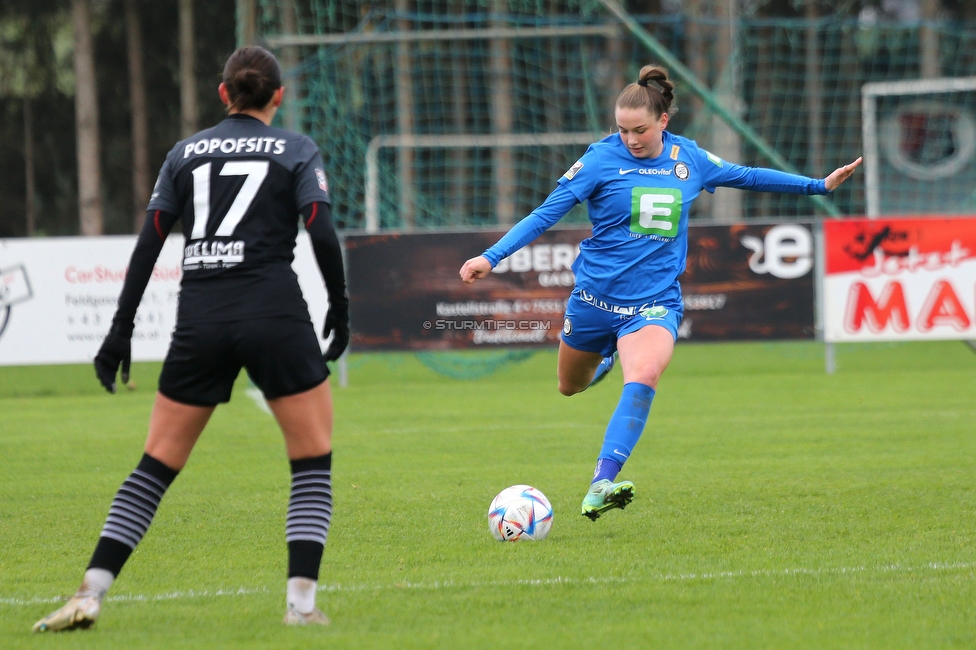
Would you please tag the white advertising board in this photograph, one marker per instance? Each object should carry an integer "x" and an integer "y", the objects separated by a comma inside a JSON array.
[
  {"x": 900, "y": 279},
  {"x": 58, "y": 296}
]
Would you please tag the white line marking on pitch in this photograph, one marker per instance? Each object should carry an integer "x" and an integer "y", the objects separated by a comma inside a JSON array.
[{"x": 668, "y": 577}]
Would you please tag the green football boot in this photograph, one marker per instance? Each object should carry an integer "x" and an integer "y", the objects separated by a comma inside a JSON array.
[{"x": 604, "y": 495}]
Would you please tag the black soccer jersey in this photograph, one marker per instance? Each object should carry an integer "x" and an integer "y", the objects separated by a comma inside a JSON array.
[{"x": 238, "y": 188}]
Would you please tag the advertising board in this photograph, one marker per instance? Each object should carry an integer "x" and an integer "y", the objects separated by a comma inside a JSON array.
[
  {"x": 58, "y": 295},
  {"x": 742, "y": 282},
  {"x": 900, "y": 279}
]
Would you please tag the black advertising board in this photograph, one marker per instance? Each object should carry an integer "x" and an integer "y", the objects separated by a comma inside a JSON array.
[
  {"x": 405, "y": 292},
  {"x": 749, "y": 282},
  {"x": 742, "y": 282}
]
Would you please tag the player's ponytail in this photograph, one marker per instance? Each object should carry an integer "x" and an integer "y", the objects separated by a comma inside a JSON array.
[
  {"x": 652, "y": 90},
  {"x": 252, "y": 76}
]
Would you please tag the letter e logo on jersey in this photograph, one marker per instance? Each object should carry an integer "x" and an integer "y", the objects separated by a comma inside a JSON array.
[
  {"x": 323, "y": 183},
  {"x": 655, "y": 211}
]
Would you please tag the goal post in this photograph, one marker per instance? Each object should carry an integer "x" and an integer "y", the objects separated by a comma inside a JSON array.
[{"x": 919, "y": 146}]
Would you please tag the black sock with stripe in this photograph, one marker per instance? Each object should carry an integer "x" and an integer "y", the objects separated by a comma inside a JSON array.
[
  {"x": 131, "y": 513},
  {"x": 309, "y": 515}
]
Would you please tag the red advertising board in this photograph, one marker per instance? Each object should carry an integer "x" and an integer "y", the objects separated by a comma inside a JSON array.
[{"x": 900, "y": 279}]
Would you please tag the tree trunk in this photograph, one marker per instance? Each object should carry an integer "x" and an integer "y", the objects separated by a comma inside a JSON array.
[
  {"x": 30, "y": 186},
  {"x": 290, "y": 56},
  {"x": 140, "y": 118},
  {"x": 86, "y": 123},
  {"x": 503, "y": 158},
  {"x": 814, "y": 93},
  {"x": 247, "y": 22},
  {"x": 461, "y": 186},
  {"x": 696, "y": 53},
  {"x": 728, "y": 145},
  {"x": 929, "y": 37},
  {"x": 405, "y": 124},
  {"x": 188, "y": 81}
]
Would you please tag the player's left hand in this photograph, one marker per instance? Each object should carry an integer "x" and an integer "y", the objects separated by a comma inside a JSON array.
[
  {"x": 116, "y": 350},
  {"x": 841, "y": 174},
  {"x": 336, "y": 324}
]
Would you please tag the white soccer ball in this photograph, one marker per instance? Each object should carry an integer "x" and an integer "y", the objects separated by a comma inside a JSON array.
[{"x": 519, "y": 512}]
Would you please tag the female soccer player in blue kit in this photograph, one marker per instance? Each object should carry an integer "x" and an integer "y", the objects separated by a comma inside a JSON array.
[{"x": 627, "y": 303}]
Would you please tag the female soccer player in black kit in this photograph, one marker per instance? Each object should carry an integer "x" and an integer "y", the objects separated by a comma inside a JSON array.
[{"x": 238, "y": 189}]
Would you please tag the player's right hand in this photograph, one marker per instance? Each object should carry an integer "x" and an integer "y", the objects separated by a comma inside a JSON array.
[
  {"x": 336, "y": 325},
  {"x": 475, "y": 269},
  {"x": 116, "y": 350}
]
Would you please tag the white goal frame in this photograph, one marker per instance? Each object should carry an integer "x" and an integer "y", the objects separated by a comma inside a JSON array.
[{"x": 869, "y": 123}]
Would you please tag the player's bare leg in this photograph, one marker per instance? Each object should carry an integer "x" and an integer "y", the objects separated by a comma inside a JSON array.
[
  {"x": 306, "y": 422},
  {"x": 174, "y": 428},
  {"x": 575, "y": 368},
  {"x": 645, "y": 354}
]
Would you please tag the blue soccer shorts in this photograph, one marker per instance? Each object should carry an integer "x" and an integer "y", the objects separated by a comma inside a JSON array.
[{"x": 593, "y": 324}]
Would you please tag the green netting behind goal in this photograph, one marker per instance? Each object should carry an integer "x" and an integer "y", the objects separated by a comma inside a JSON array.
[{"x": 509, "y": 72}]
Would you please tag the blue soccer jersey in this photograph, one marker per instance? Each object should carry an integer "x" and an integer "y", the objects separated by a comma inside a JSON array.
[{"x": 639, "y": 211}]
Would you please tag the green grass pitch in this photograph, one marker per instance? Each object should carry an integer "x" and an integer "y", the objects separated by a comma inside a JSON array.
[{"x": 776, "y": 507}]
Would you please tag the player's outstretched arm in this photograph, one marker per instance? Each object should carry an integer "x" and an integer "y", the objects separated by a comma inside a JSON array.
[
  {"x": 841, "y": 174},
  {"x": 475, "y": 269},
  {"x": 556, "y": 205}
]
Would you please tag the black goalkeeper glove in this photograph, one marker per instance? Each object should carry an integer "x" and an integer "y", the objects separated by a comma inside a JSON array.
[
  {"x": 116, "y": 350},
  {"x": 337, "y": 324}
]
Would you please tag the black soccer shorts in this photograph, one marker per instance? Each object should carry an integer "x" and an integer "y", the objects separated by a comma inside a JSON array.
[{"x": 282, "y": 357}]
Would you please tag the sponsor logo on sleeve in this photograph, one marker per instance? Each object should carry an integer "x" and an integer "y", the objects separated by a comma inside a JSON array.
[
  {"x": 712, "y": 158},
  {"x": 323, "y": 182},
  {"x": 578, "y": 165}
]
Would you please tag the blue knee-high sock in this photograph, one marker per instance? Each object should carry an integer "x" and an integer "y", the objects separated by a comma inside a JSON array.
[{"x": 624, "y": 430}]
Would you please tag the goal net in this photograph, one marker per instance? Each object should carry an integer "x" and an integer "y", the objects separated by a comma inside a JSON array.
[{"x": 445, "y": 103}]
